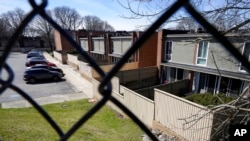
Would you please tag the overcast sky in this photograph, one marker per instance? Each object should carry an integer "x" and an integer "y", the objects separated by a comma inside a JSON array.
[{"x": 107, "y": 10}]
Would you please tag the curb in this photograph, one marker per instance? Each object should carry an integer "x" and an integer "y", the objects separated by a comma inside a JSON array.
[{"x": 57, "y": 98}]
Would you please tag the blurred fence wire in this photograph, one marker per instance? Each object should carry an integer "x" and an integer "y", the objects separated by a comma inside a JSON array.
[{"x": 105, "y": 87}]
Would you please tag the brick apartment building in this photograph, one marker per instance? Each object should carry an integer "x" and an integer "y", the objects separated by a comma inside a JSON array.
[
  {"x": 109, "y": 47},
  {"x": 204, "y": 61},
  {"x": 177, "y": 54}
]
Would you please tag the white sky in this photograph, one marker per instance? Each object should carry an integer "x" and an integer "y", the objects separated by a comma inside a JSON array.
[{"x": 107, "y": 10}]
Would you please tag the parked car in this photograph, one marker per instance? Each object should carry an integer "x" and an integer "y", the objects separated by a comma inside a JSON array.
[
  {"x": 34, "y": 58},
  {"x": 34, "y": 54},
  {"x": 34, "y": 75},
  {"x": 34, "y": 50},
  {"x": 42, "y": 66},
  {"x": 24, "y": 50},
  {"x": 44, "y": 62}
]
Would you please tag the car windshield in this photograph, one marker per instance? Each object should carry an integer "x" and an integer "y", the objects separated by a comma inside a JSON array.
[
  {"x": 36, "y": 57},
  {"x": 34, "y": 54}
]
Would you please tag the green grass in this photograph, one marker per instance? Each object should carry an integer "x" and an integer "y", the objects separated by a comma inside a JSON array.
[{"x": 26, "y": 124}]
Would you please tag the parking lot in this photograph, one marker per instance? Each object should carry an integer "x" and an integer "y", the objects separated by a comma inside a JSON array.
[{"x": 17, "y": 63}]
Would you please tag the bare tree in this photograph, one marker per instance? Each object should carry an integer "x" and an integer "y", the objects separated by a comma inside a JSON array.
[
  {"x": 13, "y": 19},
  {"x": 3, "y": 28},
  {"x": 30, "y": 32},
  {"x": 91, "y": 22},
  {"x": 44, "y": 29},
  {"x": 228, "y": 12},
  {"x": 67, "y": 18},
  {"x": 187, "y": 24},
  {"x": 95, "y": 23},
  {"x": 107, "y": 27}
]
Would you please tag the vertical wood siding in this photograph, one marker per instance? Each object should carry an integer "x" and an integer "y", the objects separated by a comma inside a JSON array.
[{"x": 188, "y": 119}]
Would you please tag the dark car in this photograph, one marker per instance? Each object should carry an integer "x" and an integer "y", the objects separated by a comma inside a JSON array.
[
  {"x": 34, "y": 75},
  {"x": 34, "y": 50},
  {"x": 35, "y": 62},
  {"x": 34, "y": 54},
  {"x": 25, "y": 51},
  {"x": 37, "y": 58},
  {"x": 51, "y": 68}
]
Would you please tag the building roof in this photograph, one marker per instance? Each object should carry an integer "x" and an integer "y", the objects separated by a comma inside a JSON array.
[{"x": 214, "y": 71}]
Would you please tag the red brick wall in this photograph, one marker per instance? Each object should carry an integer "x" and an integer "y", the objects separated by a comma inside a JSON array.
[
  {"x": 61, "y": 43},
  {"x": 159, "y": 47},
  {"x": 148, "y": 52},
  {"x": 57, "y": 39}
]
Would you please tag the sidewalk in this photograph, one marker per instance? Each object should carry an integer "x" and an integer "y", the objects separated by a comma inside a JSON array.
[
  {"x": 73, "y": 76},
  {"x": 84, "y": 88}
]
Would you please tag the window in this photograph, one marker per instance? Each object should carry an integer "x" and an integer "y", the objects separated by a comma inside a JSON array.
[
  {"x": 236, "y": 85},
  {"x": 246, "y": 53},
  {"x": 230, "y": 86},
  {"x": 168, "y": 51},
  {"x": 121, "y": 45},
  {"x": 207, "y": 83},
  {"x": 84, "y": 44},
  {"x": 98, "y": 45},
  {"x": 115, "y": 59},
  {"x": 180, "y": 73},
  {"x": 116, "y": 46},
  {"x": 125, "y": 45},
  {"x": 174, "y": 74},
  {"x": 202, "y": 53}
]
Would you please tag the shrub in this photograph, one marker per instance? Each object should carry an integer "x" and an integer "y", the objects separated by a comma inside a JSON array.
[
  {"x": 73, "y": 52},
  {"x": 50, "y": 53},
  {"x": 209, "y": 99}
]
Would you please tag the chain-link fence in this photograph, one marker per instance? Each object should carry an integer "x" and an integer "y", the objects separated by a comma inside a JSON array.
[{"x": 105, "y": 86}]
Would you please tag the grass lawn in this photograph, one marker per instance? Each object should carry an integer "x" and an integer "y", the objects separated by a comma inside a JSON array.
[{"x": 26, "y": 124}]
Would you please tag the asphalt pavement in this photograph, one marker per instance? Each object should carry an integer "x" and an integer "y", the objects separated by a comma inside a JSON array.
[
  {"x": 82, "y": 89},
  {"x": 73, "y": 76}
]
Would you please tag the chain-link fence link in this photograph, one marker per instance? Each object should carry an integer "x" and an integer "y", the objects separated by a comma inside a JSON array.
[{"x": 105, "y": 87}]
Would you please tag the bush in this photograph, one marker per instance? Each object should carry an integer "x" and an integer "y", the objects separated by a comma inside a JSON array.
[
  {"x": 209, "y": 99},
  {"x": 73, "y": 52},
  {"x": 50, "y": 53}
]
